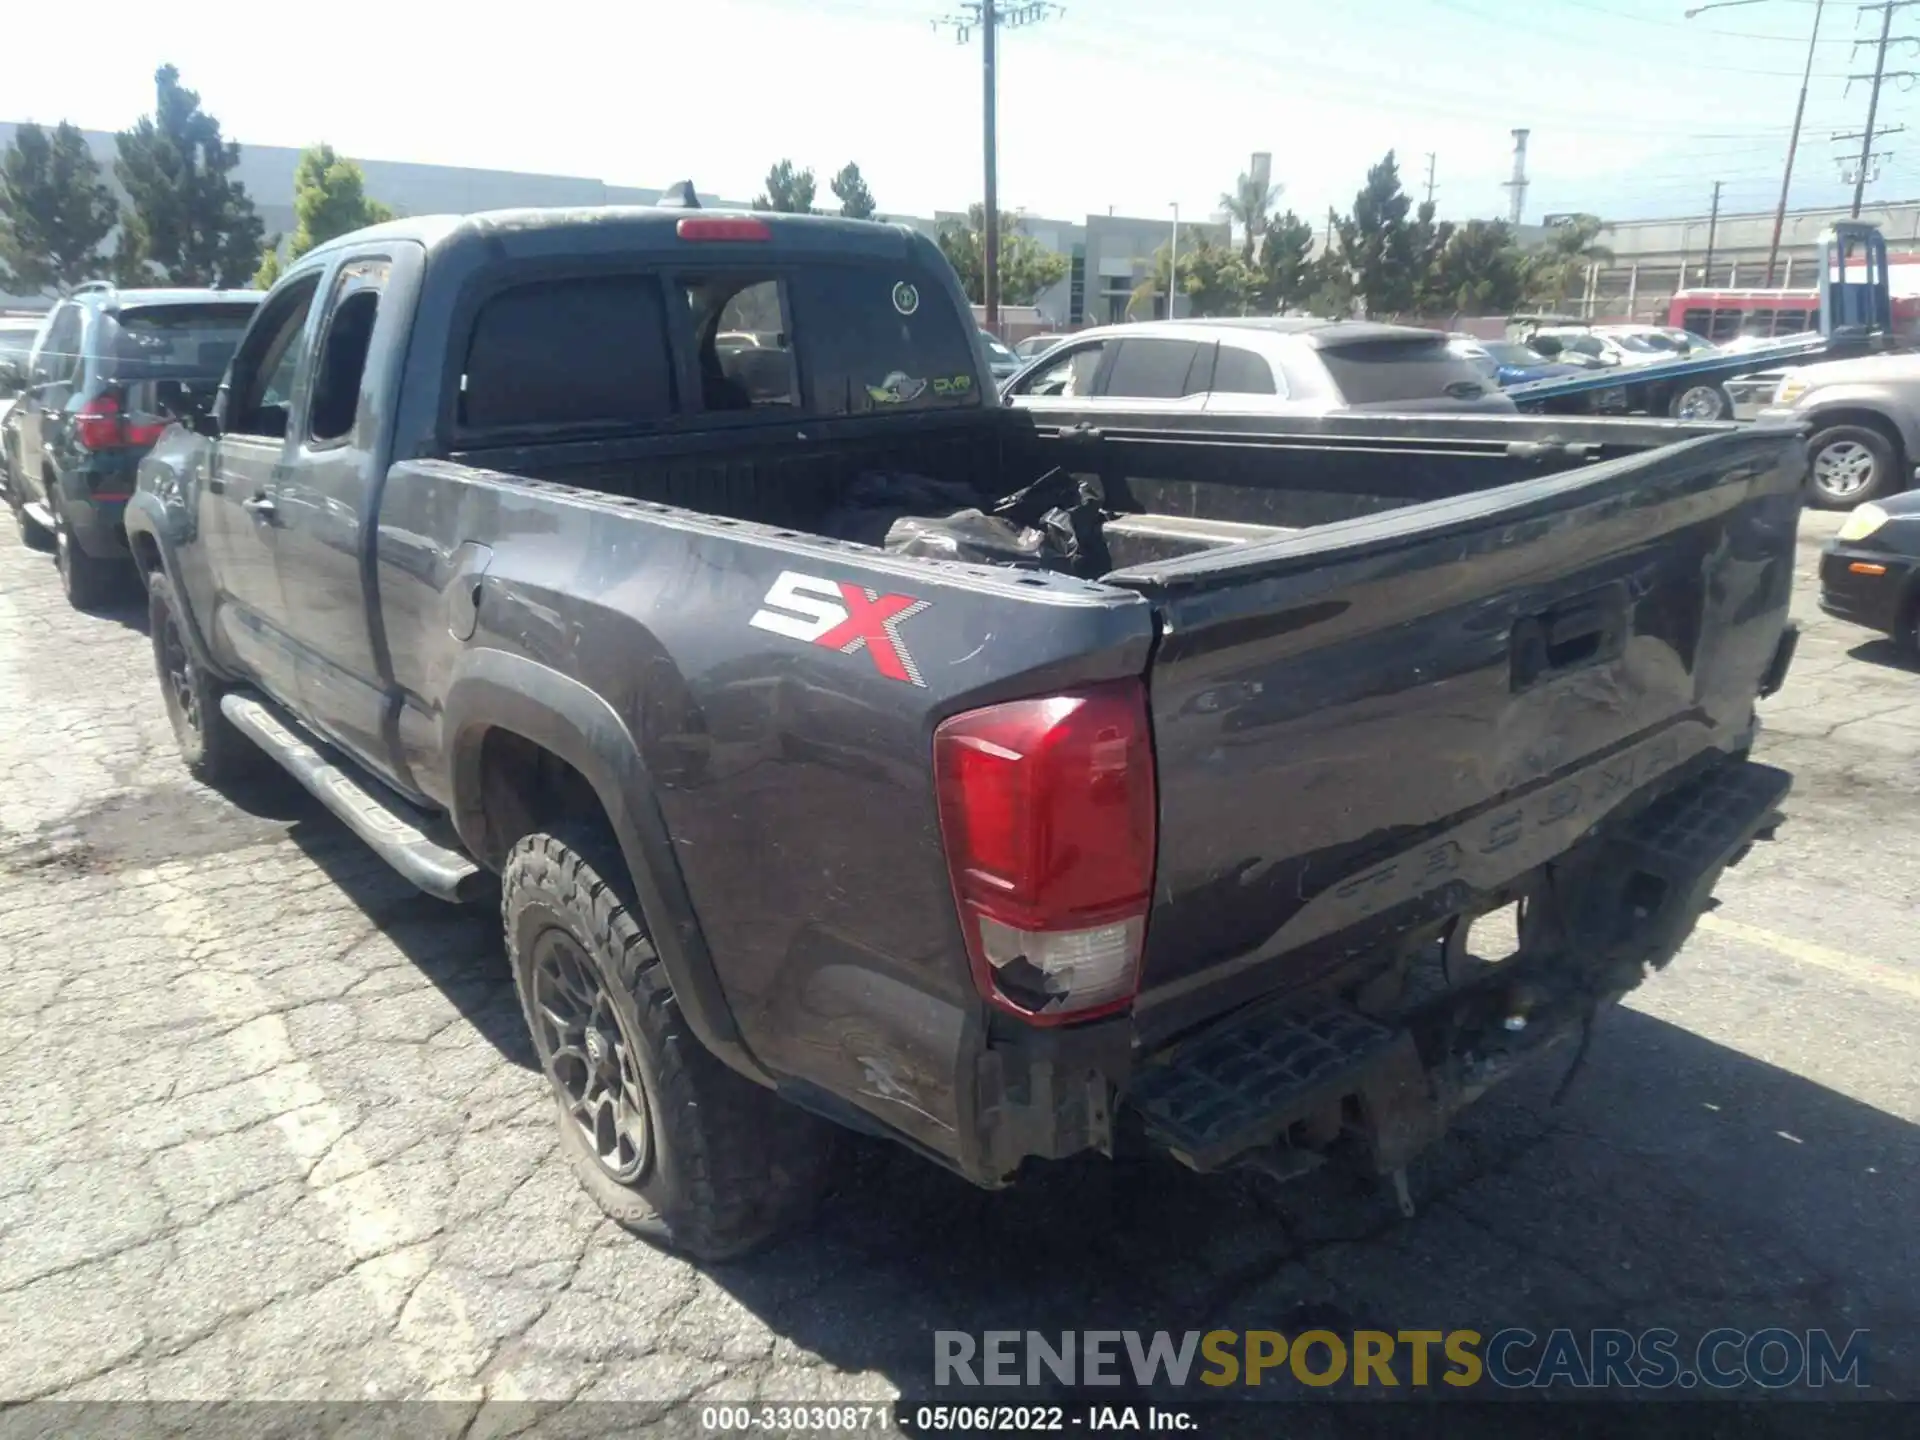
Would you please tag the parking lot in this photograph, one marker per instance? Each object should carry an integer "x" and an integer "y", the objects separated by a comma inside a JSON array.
[{"x": 268, "y": 1126}]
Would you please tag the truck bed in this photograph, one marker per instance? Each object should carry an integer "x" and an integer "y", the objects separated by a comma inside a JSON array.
[{"x": 1377, "y": 643}]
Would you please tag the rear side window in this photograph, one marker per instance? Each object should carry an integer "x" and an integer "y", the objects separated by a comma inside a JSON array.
[
  {"x": 872, "y": 338},
  {"x": 1241, "y": 372},
  {"x": 1377, "y": 372},
  {"x": 583, "y": 350},
  {"x": 1158, "y": 369},
  {"x": 173, "y": 341}
]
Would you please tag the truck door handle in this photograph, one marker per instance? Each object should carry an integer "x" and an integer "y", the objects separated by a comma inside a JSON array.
[{"x": 260, "y": 506}]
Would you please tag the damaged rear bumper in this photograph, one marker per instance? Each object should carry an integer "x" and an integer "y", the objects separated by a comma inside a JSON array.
[{"x": 1284, "y": 1083}]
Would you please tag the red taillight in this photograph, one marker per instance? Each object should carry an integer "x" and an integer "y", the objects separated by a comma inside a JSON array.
[
  {"x": 722, "y": 228},
  {"x": 101, "y": 424},
  {"x": 97, "y": 425},
  {"x": 1047, "y": 809}
]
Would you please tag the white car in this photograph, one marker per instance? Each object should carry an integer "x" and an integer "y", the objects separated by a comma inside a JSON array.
[
  {"x": 1256, "y": 367},
  {"x": 1624, "y": 345}
]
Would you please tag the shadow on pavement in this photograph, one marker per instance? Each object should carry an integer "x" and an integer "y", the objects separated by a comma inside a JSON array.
[
  {"x": 1885, "y": 652},
  {"x": 1682, "y": 1185},
  {"x": 458, "y": 948}
]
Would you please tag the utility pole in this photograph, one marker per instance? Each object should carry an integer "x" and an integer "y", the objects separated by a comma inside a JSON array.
[
  {"x": 1432, "y": 159},
  {"x": 1799, "y": 113},
  {"x": 1713, "y": 225},
  {"x": 1518, "y": 184},
  {"x": 1866, "y": 136},
  {"x": 987, "y": 16}
]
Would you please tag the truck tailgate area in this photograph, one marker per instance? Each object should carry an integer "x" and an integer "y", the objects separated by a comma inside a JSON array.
[{"x": 1385, "y": 720}]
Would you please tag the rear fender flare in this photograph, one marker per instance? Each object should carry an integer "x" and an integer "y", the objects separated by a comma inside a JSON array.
[{"x": 495, "y": 690}]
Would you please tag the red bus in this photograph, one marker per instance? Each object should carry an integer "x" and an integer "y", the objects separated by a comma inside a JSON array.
[{"x": 1722, "y": 315}]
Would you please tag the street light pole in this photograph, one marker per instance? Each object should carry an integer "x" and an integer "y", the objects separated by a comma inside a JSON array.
[
  {"x": 1173, "y": 263},
  {"x": 1793, "y": 138}
]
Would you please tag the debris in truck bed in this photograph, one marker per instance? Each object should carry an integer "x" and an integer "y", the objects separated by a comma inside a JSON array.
[{"x": 1052, "y": 524}]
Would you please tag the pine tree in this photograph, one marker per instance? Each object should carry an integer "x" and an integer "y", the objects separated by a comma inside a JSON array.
[
  {"x": 850, "y": 189},
  {"x": 329, "y": 200},
  {"x": 1377, "y": 243},
  {"x": 789, "y": 191},
  {"x": 55, "y": 209},
  {"x": 189, "y": 222}
]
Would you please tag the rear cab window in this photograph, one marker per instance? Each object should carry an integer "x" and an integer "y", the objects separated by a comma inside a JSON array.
[
  {"x": 1381, "y": 372},
  {"x": 729, "y": 344},
  {"x": 872, "y": 338}
]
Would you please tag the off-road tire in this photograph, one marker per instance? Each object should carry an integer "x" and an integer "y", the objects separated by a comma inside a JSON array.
[
  {"x": 729, "y": 1165},
  {"x": 1885, "y": 466},
  {"x": 212, "y": 748}
]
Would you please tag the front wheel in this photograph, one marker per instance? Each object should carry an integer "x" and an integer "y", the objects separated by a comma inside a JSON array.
[
  {"x": 668, "y": 1141},
  {"x": 1704, "y": 401},
  {"x": 1849, "y": 465},
  {"x": 213, "y": 749}
]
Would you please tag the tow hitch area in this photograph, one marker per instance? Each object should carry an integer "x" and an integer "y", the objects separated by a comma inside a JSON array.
[{"x": 1374, "y": 1077}]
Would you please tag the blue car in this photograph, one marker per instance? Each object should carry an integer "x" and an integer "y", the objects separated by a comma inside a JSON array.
[{"x": 1507, "y": 362}]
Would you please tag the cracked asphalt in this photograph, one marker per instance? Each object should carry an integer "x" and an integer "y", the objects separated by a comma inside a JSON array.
[{"x": 269, "y": 1128}]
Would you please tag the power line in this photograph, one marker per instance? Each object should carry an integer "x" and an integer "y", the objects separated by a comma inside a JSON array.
[{"x": 1432, "y": 159}]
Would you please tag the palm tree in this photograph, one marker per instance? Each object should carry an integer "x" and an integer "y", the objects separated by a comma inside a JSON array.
[
  {"x": 1249, "y": 204},
  {"x": 1560, "y": 263}
]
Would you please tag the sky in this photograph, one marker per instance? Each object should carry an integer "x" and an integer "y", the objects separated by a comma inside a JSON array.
[{"x": 1132, "y": 106}]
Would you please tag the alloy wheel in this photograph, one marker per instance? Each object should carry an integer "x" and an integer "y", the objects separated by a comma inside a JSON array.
[
  {"x": 589, "y": 1057},
  {"x": 1843, "y": 469}
]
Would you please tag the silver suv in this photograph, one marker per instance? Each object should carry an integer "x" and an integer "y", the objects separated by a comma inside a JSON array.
[{"x": 1257, "y": 366}]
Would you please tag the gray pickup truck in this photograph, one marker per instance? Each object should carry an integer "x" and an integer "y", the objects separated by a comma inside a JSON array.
[{"x": 1171, "y": 828}]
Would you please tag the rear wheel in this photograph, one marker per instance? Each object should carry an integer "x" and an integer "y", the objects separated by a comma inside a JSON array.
[
  {"x": 668, "y": 1141},
  {"x": 1703, "y": 401},
  {"x": 1849, "y": 465},
  {"x": 88, "y": 581}
]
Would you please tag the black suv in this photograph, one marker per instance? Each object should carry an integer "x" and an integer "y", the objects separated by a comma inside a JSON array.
[{"x": 110, "y": 371}]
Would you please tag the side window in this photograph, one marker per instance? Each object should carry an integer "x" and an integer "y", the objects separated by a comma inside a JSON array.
[
  {"x": 1157, "y": 369},
  {"x": 260, "y": 384},
  {"x": 1241, "y": 372},
  {"x": 343, "y": 349},
  {"x": 1069, "y": 376},
  {"x": 580, "y": 350},
  {"x": 745, "y": 354},
  {"x": 59, "y": 350}
]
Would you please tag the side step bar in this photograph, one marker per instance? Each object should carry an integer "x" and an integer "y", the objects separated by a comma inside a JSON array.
[{"x": 396, "y": 830}]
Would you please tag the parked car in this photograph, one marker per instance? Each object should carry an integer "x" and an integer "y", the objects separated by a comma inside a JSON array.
[
  {"x": 1000, "y": 861},
  {"x": 1000, "y": 360},
  {"x": 16, "y": 349},
  {"x": 1864, "y": 415},
  {"x": 1507, "y": 362},
  {"x": 1036, "y": 345},
  {"x": 1622, "y": 346},
  {"x": 1277, "y": 366},
  {"x": 109, "y": 372},
  {"x": 1870, "y": 570}
]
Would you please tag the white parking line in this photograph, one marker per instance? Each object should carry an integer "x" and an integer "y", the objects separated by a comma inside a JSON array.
[
  {"x": 429, "y": 1316},
  {"x": 1854, "y": 967}
]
